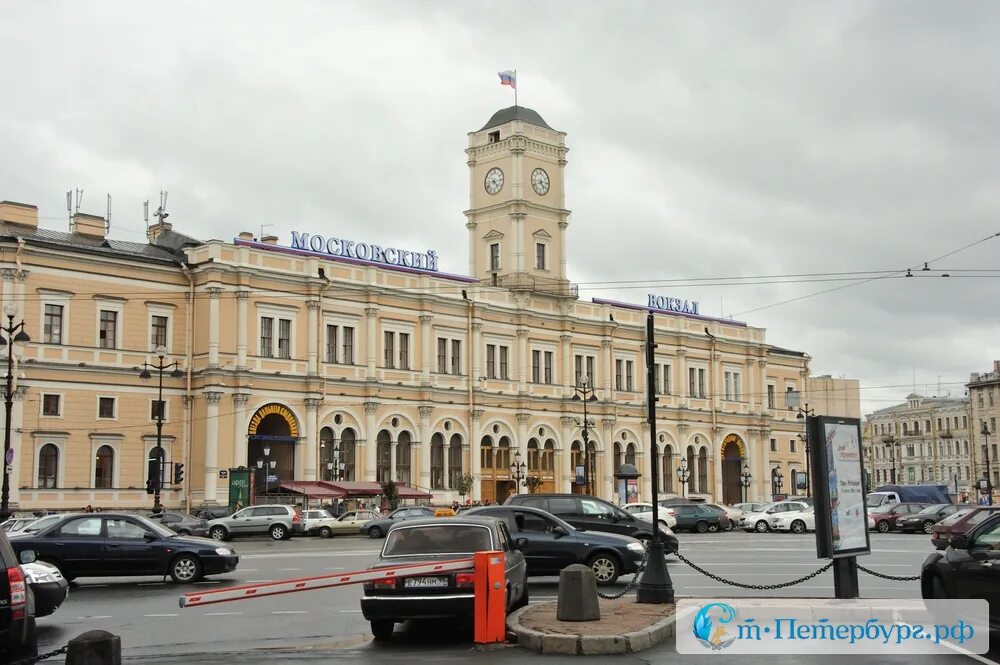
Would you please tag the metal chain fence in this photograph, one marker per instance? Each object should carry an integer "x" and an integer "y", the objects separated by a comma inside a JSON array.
[
  {"x": 37, "y": 659},
  {"x": 627, "y": 587},
  {"x": 758, "y": 587},
  {"x": 895, "y": 578}
]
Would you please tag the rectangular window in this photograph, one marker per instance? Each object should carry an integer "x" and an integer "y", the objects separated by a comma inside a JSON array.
[
  {"x": 965, "y": 422},
  {"x": 495, "y": 256},
  {"x": 158, "y": 331},
  {"x": 540, "y": 256},
  {"x": 491, "y": 361},
  {"x": 770, "y": 395},
  {"x": 53, "y": 324},
  {"x": 774, "y": 445},
  {"x": 107, "y": 336},
  {"x": 701, "y": 383},
  {"x": 504, "y": 364},
  {"x": 284, "y": 338},
  {"x": 536, "y": 361},
  {"x": 156, "y": 408},
  {"x": 106, "y": 407},
  {"x": 656, "y": 379},
  {"x": 789, "y": 396},
  {"x": 668, "y": 372},
  {"x": 692, "y": 382},
  {"x": 404, "y": 350},
  {"x": 348, "y": 358},
  {"x": 331, "y": 344},
  {"x": 629, "y": 385},
  {"x": 51, "y": 405},
  {"x": 791, "y": 445},
  {"x": 442, "y": 355},
  {"x": 456, "y": 356},
  {"x": 266, "y": 336},
  {"x": 618, "y": 374},
  {"x": 548, "y": 367},
  {"x": 939, "y": 423},
  {"x": 389, "y": 349},
  {"x": 993, "y": 425},
  {"x": 737, "y": 390}
]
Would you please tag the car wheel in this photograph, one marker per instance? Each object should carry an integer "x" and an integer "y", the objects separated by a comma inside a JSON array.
[
  {"x": 278, "y": 532},
  {"x": 382, "y": 629},
  {"x": 928, "y": 527},
  {"x": 185, "y": 569},
  {"x": 760, "y": 526},
  {"x": 798, "y": 526},
  {"x": 218, "y": 533},
  {"x": 701, "y": 526},
  {"x": 605, "y": 567},
  {"x": 883, "y": 527},
  {"x": 375, "y": 532},
  {"x": 730, "y": 525},
  {"x": 325, "y": 532}
]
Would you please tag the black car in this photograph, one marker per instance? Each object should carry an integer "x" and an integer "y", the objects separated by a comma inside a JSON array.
[
  {"x": 697, "y": 517},
  {"x": 17, "y": 605},
  {"x": 925, "y": 520},
  {"x": 120, "y": 545},
  {"x": 439, "y": 596},
  {"x": 968, "y": 568},
  {"x": 590, "y": 513},
  {"x": 181, "y": 523},
  {"x": 552, "y": 544},
  {"x": 379, "y": 527}
]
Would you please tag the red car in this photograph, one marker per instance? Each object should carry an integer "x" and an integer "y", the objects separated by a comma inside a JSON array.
[
  {"x": 883, "y": 518},
  {"x": 960, "y": 524}
]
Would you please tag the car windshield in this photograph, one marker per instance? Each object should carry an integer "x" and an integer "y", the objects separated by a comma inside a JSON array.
[
  {"x": 41, "y": 523},
  {"x": 438, "y": 539},
  {"x": 933, "y": 509}
]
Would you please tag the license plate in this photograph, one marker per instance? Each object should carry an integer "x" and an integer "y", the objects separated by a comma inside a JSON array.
[{"x": 412, "y": 582}]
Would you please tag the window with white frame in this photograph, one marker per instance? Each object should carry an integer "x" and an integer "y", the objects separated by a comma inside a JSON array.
[
  {"x": 731, "y": 384},
  {"x": 156, "y": 407},
  {"x": 541, "y": 366},
  {"x": 494, "y": 256},
  {"x": 662, "y": 376},
  {"x": 48, "y": 466},
  {"x": 770, "y": 395},
  {"x": 107, "y": 331},
  {"x": 696, "y": 382},
  {"x": 284, "y": 338},
  {"x": 55, "y": 315},
  {"x": 619, "y": 374},
  {"x": 52, "y": 405},
  {"x": 107, "y": 407},
  {"x": 331, "y": 343},
  {"x": 104, "y": 467},
  {"x": 52, "y": 326},
  {"x": 540, "y": 249},
  {"x": 396, "y": 349},
  {"x": 449, "y": 355},
  {"x": 583, "y": 365},
  {"x": 158, "y": 330},
  {"x": 276, "y": 326},
  {"x": 497, "y": 361},
  {"x": 629, "y": 379},
  {"x": 267, "y": 336},
  {"x": 504, "y": 362}
]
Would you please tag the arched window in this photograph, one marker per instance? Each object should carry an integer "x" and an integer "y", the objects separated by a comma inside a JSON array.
[
  {"x": 48, "y": 466},
  {"x": 326, "y": 445},
  {"x": 437, "y": 461},
  {"x": 503, "y": 454},
  {"x": 576, "y": 455},
  {"x": 486, "y": 453},
  {"x": 403, "y": 458},
  {"x": 618, "y": 455},
  {"x": 669, "y": 468},
  {"x": 104, "y": 468},
  {"x": 703, "y": 471},
  {"x": 455, "y": 465},
  {"x": 383, "y": 448},
  {"x": 630, "y": 454},
  {"x": 532, "y": 455},
  {"x": 549, "y": 456},
  {"x": 348, "y": 450}
]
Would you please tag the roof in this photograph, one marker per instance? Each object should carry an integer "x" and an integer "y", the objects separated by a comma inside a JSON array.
[
  {"x": 76, "y": 242},
  {"x": 372, "y": 488},
  {"x": 926, "y": 404},
  {"x": 312, "y": 489},
  {"x": 511, "y": 113}
]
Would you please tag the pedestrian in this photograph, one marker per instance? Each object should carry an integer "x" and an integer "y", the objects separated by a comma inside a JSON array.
[
  {"x": 88, "y": 509},
  {"x": 454, "y": 506}
]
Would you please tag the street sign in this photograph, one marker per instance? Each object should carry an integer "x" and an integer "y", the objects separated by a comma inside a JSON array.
[
  {"x": 223, "y": 473},
  {"x": 10, "y": 456}
]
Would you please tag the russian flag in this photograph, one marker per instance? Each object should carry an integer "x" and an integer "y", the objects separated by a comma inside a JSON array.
[{"x": 508, "y": 78}]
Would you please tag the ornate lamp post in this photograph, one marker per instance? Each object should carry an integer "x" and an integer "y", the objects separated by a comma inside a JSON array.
[
  {"x": 779, "y": 480},
  {"x": 683, "y": 475},
  {"x": 156, "y": 456},
  {"x": 14, "y": 335},
  {"x": 890, "y": 441},
  {"x": 745, "y": 479},
  {"x": 268, "y": 465},
  {"x": 517, "y": 471},
  {"x": 804, "y": 436},
  {"x": 585, "y": 393}
]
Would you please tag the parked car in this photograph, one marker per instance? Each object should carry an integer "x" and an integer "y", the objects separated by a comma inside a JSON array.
[
  {"x": 317, "y": 522},
  {"x": 731, "y": 513},
  {"x": 121, "y": 545},
  {"x": 379, "y": 527},
  {"x": 48, "y": 586},
  {"x": 590, "y": 513},
  {"x": 968, "y": 568},
  {"x": 552, "y": 544},
  {"x": 17, "y": 523},
  {"x": 448, "y": 596},
  {"x": 749, "y": 507},
  {"x": 794, "y": 521},
  {"x": 17, "y": 607},
  {"x": 885, "y": 517},
  {"x": 960, "y": 523},
  {"x": 760, "y": 521},
  {"x": 181, "y": 523},
  {"x": 697, "y": 517},
  {"x": 349, "y": 523},
  {"x": 213, "y": 512},
  {"x": 644, "y": 511},
  {"x": 42, "y": 523},
  {"x": 278, "y": 521},
  {"x": 925, "y": 520}
]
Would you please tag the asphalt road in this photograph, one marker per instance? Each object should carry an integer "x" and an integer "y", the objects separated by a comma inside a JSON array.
[{"x": 327, "y": 625}]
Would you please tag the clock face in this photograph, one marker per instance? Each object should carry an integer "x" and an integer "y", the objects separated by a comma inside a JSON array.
[
  {"x": 494, "y": 180},
  {"x": 540, "y": 181}
]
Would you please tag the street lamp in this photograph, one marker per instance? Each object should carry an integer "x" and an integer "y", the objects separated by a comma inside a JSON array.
[
  {"x": 803, "y": 414},
  {"x": 890, "y": 441},
  {"x": 585, "y": 393},
  {"x": 682, "y": 476},
  {"x": 745, "y": 479},
  {"x": 268, "y": 465},
  {"x": 989, "y": 476},
  {"x": 16, "y": 335},
  {"x": 779, "y": 480},
  {"x": 517, "y": 471},
  {"x": 155, "y": 472}
]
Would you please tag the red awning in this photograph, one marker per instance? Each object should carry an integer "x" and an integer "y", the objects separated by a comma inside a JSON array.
[
  {"x": 312, "y": 489},
  {"x": 371, "y": 488}
]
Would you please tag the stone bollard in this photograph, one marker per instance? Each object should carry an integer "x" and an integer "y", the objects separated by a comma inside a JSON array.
[
  {"x": 95, "y": 647},
  {"x": 577, "y": 594}
]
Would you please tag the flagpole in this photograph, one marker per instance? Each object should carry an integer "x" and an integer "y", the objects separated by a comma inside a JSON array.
[{"x": 515, "y": 87}]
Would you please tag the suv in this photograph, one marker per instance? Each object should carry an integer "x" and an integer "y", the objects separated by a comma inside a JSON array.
[
  {"x": 760, "y": 521},
  {"x": 278, "y": 521},
  {"x": 17, "y": 605},
  {"x": 590, "y": 513}
]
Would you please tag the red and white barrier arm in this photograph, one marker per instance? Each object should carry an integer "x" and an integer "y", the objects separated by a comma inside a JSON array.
[{"x": 320, "y": 582}]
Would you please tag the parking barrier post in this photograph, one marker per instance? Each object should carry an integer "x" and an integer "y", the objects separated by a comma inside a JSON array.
[{"x": 490, "y": 604}]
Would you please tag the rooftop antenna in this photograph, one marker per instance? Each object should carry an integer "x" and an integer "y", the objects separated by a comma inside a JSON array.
[
  {"x": 161, "y": 213},
  {"x": 107, "y": 221},
  {"x": 145, "y": 211},
  {"x": 73, "y": 207},
  {"x": 262, "y": 227}
]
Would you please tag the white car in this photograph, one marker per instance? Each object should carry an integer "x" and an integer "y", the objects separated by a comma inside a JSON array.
[
  {"x": 644, "y": 511},
  {"x": 795, "y": 521},
  {"x": 318, "y": 522},
  {"x": 761, "y": 521}
]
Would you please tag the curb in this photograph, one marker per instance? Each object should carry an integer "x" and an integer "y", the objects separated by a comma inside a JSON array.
[{"x": 639, "y": 640}]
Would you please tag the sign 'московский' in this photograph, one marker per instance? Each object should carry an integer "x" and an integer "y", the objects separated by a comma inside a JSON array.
[{"x": 365, "y": 251}]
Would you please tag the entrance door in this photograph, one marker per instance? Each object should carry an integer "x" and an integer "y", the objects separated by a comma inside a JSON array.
[{"x": 732, "y": 465}]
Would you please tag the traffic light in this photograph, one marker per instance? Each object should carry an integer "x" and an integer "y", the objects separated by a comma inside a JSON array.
[{"x": 178, "y": 473}]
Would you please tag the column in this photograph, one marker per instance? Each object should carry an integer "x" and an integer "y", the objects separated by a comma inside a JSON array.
[
  {"x": 682, "y": 389},
  {"x": 312, "y": 351},
  {"x": 605, "y": 459},
  {"x": 240, "y": 429},
  {"x": 392, "y": 460},
  {"x": 425, "y": 446},
  {"x": 750, "y": 460},
  {"x": 751, "y": 385},
  {"x": 242, "y": 325},
  {"x": 369, "y": 442},
  {"x": 522, "y": 437},
  {"x": 475, "y": 457},
  {"x": 564, "y": 481},
  {"x": 211, "y": 444},
  {"x": 472, "y": 235},
  {"x": 213, "y": 325},
  {"x": 562, "y": 248},
  {"x": 762, "y": 382},
  {"x": 446, "y": 483},
  {"x": 518, "y": 221},
  {"x": 310, "y": 446},
  {"x": 609, "y": 371},
  {"x": 371, "y": 325},
  {"x": 522, "y": 361},
  {"x": 477, "y": 353},
  {"x": 427, "y": 350},
  {"x": 567, "y": 365},
  {"x": 762, "y": 470},
  {"x": 16, "y": 426},
  {"x": 8, "y": 288},
  {"x": 715, "y": 464}
]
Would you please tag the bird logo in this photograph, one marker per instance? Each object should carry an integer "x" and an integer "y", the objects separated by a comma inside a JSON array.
[{"x": 710, "y": 625}]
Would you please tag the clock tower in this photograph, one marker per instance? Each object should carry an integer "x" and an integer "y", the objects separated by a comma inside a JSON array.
[{"x": 517, "y": 217}]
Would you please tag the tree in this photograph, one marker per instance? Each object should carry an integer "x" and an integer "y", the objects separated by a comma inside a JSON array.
[
  {"x": 390, "y": 493},
  {"x": 532, "y": 483},
  {"x": 464, "y": 485}
]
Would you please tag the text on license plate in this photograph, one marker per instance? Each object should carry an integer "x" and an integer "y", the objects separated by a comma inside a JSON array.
[{"x": 410, "y": 582}]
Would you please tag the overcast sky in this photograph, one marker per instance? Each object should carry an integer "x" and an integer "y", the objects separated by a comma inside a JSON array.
[{"x": 733, "y": 140}]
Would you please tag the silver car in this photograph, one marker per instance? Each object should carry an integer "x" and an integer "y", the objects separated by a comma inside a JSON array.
[{"x": 278, "y": 521}]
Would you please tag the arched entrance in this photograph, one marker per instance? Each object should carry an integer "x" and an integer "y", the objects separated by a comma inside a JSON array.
[
  {"x": 271, "y": 439},
  {"x": 732, "y": 465}
]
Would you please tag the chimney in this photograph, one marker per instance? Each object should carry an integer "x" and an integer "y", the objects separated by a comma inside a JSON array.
[
  {"x": 154, "y": 231},
  {"x": 19, "y": 213},
  {"x": 996, "y": 365},
  {"x": 88, "y": 225},
  {"x": 270, "y": 240},
  {"x": 246, "y": 235}
]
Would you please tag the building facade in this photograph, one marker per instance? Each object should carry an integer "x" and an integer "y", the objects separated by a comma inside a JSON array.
[
  {"x": 984, "y": 406},
  {"x": 290, "y": 351}
]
